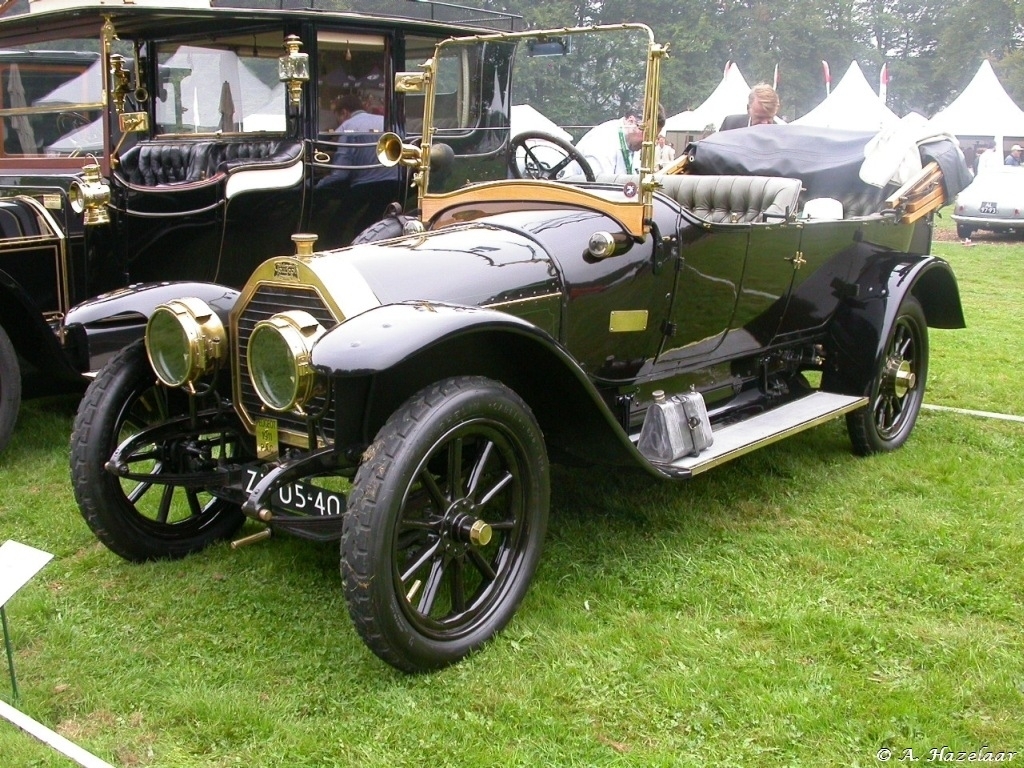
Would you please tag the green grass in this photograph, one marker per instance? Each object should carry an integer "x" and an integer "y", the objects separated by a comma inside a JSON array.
[{"x": 798, "y": 607}]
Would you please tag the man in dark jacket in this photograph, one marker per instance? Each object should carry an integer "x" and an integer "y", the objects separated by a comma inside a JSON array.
[{"x": 762, "y": 106}]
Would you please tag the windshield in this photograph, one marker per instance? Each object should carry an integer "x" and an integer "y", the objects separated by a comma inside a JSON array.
[
  {"x": 52, "y": 99},
  {"x": 563, "y": 85}
]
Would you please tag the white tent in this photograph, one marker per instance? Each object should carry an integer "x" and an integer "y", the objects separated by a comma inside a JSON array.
[
  {"x": 983, "y": 109},
  {"x": 216, "y": 90},
  {"x": 852, "y": 104},
  {"x": 526, "y": 118},
  {"x": 729, "y": 98}
]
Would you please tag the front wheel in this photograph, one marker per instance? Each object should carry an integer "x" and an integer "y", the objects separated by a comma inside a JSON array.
[
  {"x": 897, "y": 392},
  {"x": 156, "y": 513},
  {"x": 445, "y": 522},
  {"x": 10, "y": 388}
]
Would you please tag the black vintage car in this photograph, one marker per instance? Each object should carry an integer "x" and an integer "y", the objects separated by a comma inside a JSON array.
[
  {"x": 406, "y": 395},
  {"x": 183, "y": 141}
]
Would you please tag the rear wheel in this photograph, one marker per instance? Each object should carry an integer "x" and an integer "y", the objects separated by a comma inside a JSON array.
[
  {"x": 156, "y": 513},
  {"x": 897, "y": 392},
  {"x": 10, "y": 388},
  {"x": 963, "y": 231},
  {"x": 445, "y": 522}
]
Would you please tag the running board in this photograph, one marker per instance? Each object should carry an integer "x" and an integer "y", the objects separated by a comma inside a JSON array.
[{"x": 758, "y": 431}]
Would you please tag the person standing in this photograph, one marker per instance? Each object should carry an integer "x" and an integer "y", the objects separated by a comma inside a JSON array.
[
  {"x": 664, "y": 154},
  {"x": 989, "y": 159}
]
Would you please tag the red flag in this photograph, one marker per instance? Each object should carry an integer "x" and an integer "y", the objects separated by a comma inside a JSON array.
[
  {"x": 828, "y": 78},
  {"x": 775, "y": 79},
  {"x": 883, "y": 83}
]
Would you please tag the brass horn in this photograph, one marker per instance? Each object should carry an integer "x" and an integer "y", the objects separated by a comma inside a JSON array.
[{"x": 391, "y": 150}]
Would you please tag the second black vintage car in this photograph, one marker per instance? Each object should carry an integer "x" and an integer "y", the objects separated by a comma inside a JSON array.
[
  {"x": 406, "y": 396},
  {"x": 186, "y": 140}
]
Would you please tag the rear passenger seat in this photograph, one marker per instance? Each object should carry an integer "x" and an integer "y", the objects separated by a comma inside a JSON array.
[
  {"x": 728, "y": 199},
  {"x": 183, "y": 162}
]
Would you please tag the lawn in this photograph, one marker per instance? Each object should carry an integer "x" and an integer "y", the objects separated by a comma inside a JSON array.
[{"x": 798, "y": 607}]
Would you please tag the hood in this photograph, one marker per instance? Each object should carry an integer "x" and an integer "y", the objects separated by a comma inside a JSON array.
[{"x": 476, "y": 264}]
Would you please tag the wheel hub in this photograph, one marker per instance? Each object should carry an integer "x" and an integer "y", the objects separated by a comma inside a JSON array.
[
  {"x": 899, "y": 376},
  {"x": 462, "y": 526}
]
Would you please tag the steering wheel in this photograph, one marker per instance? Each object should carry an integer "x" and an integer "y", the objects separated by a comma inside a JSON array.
[
  {"x": 539, "y": 155},
  {"x": 70, "y": 121}
]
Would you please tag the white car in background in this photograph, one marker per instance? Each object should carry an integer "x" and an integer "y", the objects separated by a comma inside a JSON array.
[{"x": 993, "y": 201}]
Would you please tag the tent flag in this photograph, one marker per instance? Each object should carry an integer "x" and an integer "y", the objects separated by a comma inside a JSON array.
[
  {"x": 775, "y": 78},
  {"x": 883, "y": 83},
  {"x": 828, "y": 78},
  {"x": 725, "y": 73}
]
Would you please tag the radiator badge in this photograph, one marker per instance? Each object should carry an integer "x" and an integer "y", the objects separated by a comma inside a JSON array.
[{"x": 286, "y": 270}]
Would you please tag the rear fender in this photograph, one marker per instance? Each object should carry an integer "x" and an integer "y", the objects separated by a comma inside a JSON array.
[
  {"x": 398, "y": 349},
  {"x": 861, "y": 326},
  {"x": 110, "y": 322}
]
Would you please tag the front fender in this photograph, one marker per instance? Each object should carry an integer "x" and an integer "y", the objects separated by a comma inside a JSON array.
[
  {"x": 398, "y": 349},
  {"x": 111, "y": 321},
  {"x": 860, "y": 328}
]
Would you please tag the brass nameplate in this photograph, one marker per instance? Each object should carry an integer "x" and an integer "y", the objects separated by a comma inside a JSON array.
[
  {"x": 133, "y": 122},
  {"x": 626, "y": 321},
  {"x": 266, "y": 438}
]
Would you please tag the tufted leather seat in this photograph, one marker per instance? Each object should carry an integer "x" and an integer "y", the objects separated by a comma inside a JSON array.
[
  {"x": 183, "y": 162},
  {"x": 729, "y": 199}
]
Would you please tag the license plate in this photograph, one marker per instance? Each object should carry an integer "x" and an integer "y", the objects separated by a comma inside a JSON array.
[
  {"x": 299, "y": 498},
  {"x": 987, "y": 208}
]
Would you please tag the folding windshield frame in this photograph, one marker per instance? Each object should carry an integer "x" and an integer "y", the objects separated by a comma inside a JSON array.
[{"x": 644, "y": 196}]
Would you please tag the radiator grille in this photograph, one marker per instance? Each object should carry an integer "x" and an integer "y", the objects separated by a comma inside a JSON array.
[{"x": 267, "y": 301}]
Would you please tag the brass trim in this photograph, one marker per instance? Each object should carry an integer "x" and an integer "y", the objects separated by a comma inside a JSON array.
[
  {"x": 313, "y": 273},
  {"x": 524, "y": 300},
  {"x": 627, "y": 320},
  {"x": 46, "y": 220},
  {"x": 627, "y": 212}
]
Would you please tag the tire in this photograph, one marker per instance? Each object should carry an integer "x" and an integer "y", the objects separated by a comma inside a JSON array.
[
  {"x": 963, "y": 231},
  {"x": 422, "y": 591},
  {"x": 392, "y": 225},
  {"x": 144, "y": 520},
  {"x": 10, "y": 388},
  {"x": 898, "y": 388}
]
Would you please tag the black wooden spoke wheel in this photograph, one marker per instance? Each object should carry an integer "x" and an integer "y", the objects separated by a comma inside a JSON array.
[
  {"x": 10, "y": 388},
  {"x": 156, "y": 512},
  {"x": 445, "y": 523},
  {"x": 898, "y": 389}
]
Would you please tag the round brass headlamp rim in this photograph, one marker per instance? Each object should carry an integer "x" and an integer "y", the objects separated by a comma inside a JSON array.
[
  {"x": 298, "y": 332},
  {"x": 203, "y": 335}
]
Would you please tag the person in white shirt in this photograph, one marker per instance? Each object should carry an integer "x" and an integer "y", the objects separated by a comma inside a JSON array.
[
  {"x": 989, "y": 159},
  {"x": 614, "y": 146},
  {"x": 664, "y": 154}
]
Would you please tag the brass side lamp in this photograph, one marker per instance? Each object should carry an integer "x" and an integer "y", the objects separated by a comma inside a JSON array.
[
  {"x": 293, "y": 68},
  {"x": 89, "y": 195}
]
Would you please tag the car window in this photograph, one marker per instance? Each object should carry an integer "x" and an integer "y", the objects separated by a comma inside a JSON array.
[
  {"x": 52, "y": 99},
  {"x": 228, "y": 85},
  {"x": 350, "y": 65}
]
